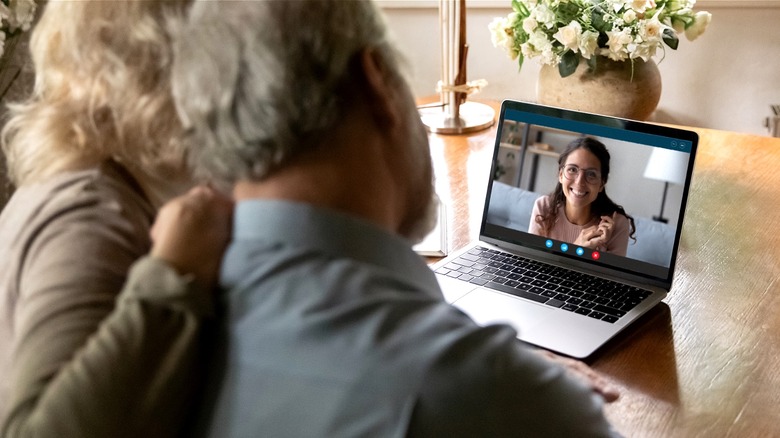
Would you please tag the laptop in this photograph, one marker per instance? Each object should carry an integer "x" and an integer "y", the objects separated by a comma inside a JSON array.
[{"x": 558, "y": 295}]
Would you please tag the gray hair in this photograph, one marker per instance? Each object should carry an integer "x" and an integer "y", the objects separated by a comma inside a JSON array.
[{"x": 256, "y": 81}]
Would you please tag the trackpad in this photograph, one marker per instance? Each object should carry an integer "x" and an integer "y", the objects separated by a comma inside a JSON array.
[
  {"x": 453, "y": 289},
  {"x": 485, "y": 307}
]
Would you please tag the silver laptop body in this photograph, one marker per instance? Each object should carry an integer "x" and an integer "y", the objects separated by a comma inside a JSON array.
[{"x": 580, "y": 297}]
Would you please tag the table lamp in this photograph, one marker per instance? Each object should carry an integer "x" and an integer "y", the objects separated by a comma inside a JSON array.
[
  {"x": 669, "y": 166},
  {"x": 453, "y": 114}
]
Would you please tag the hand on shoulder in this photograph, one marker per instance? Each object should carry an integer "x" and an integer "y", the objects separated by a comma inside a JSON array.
[{"x": 192, "y": 231}]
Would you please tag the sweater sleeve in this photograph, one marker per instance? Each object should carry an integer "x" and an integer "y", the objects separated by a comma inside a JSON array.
[{"x": 134, "y": 375}]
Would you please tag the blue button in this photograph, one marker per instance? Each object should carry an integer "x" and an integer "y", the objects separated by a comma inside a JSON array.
[
  {"x": 580, "y": 251},
  {"x": 564, "y": 247},
  {"x": 549, "y": 243}
]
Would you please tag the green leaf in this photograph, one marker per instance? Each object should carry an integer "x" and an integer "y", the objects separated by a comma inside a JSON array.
[
  {"x": 520, "y": 8},
  {"x": 598, "y": 21},
  {"x": 568, "y": 64},
  {"x": 593, "y": 63},
  {"x": 670, "y": 38},
  {"x": 567, "y": 12}
]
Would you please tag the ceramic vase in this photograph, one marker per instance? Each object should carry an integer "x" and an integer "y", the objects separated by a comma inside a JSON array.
[{"x": 615, "y": 88}]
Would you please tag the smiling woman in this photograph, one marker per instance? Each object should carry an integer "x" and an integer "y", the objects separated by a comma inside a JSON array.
[{"x": 579, "y": 210}]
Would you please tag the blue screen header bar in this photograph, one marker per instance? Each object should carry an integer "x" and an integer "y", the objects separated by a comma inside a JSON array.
[{"x": 621, "y": 130}]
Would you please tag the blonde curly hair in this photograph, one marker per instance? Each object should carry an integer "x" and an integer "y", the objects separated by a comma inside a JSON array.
[{"x": 102, "y": 90}]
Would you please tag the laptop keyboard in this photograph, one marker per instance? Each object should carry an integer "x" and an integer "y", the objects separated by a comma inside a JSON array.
[{"x": 557, "y": 287}]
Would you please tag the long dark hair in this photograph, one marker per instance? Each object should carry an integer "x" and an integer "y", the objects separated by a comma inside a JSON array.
[{"x": 602, "y": 205}]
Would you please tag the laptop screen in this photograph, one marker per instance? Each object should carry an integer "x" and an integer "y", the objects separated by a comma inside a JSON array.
[{"x": 600, "y": 193}]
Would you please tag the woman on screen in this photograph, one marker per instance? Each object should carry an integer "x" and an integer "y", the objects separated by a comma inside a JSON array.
[{"x": 578, "y": 210}]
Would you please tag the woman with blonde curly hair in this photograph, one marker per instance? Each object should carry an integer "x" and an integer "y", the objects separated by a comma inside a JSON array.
[{"x": 89, "y": 346}]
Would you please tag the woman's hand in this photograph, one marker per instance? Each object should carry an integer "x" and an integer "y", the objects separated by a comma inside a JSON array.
[
  {"x": 192, "y": 231},
  {"x": 597, "y": 236}
]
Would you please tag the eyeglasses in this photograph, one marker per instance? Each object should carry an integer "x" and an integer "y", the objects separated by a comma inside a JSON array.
[{"x": 572, "y": 171}]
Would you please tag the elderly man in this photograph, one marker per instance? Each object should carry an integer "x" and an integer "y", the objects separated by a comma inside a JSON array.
[{"x": 333, "y": 325}]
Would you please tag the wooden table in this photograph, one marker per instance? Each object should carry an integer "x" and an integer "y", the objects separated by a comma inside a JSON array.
[{"x": 706, "y": 361}]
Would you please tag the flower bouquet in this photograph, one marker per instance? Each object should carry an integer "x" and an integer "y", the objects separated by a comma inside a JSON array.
[
  {"x": 562, "y": 32},
  {"x": 16, "y": 16}
]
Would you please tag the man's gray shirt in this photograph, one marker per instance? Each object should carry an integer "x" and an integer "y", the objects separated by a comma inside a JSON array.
[{"x": 336, "y": 328}]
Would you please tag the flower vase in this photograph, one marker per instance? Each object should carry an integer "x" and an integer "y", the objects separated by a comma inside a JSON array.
[{"x": 625, "y": 89}]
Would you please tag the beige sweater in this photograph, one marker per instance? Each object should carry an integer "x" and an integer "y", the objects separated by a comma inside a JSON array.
[{"x": 81, "y": 353}]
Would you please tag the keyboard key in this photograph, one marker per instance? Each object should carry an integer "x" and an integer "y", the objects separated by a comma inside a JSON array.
[
  {"x": 463, "y": 262},
  {"x": 582, "y": 311},
  {"x": 555, "y": 303},
  {"x": 596, "y": 315},
  {"x": 569, "y": 307},
  {"x": 516, "y": 292},
  {"x": 609, "y": 310},
  {"x": 610, "y": 319},
  {"x": 469, "y": 257},
  {"x": 478, "y": 281}
]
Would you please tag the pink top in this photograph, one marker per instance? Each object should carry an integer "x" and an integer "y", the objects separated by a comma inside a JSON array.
[{"x": 566, "y": 231}]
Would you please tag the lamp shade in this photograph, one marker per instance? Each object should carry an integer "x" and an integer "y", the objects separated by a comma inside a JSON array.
[{"x": 667, "y": 165}]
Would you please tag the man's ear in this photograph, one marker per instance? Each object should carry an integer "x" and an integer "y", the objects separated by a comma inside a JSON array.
[{"x": 381, "y": 96}]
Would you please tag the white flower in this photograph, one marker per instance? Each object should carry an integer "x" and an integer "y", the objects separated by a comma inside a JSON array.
[
  {"x": 588, "y": 43},
  {"x": 651, "y": 30},
  {"x": 616, "y": 44},
  {"x": 530, "y": 24},
  {"x": 539, "y": 40},
  {"x": 543, "y": 14},
  {"x": 617, "y": 5},
  {"x": 500, "y": 32},
  {"x": 569, "y": 36},
  {"x": 22, "y": 14},
  {"x": 641, "y": 5},
  {"x": 701, "y": 21},
  {"x": 642, "y": 50},
  {"x": 629, "y": 16},
  {"x": 549, "y": 57}
]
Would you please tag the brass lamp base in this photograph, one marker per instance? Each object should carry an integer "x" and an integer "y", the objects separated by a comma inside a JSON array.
[{"x": 472, "y": 117}]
